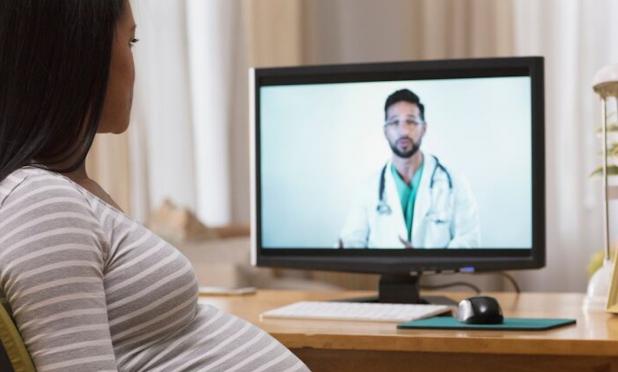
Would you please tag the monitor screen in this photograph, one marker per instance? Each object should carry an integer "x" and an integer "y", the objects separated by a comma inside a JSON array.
[{"x": 399, "y": 167}]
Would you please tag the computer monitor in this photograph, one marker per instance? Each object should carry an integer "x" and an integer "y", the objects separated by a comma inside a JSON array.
[{"x": 399, "y": 168}]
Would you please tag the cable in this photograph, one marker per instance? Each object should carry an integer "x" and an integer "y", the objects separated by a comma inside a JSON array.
[
  {"x": 506, "y": 275},
  {"x": 511, "y": 279},
  {"x": 453, "y": 284}
]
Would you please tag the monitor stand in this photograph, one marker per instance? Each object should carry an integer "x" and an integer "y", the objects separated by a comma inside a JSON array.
[{"x": 402, "y": 288}]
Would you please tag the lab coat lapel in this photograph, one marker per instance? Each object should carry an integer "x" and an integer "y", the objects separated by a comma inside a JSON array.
[{"x": 423, "y": 199}]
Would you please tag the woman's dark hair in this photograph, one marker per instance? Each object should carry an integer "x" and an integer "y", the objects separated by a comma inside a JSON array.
[{"x": 54, "y": 65}]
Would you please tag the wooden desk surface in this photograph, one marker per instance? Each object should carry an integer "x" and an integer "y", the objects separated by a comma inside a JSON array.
[{"x": 595, "y": 336}]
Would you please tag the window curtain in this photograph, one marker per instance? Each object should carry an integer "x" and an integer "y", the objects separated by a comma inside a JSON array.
[
  {"x": 226, "y": 38},
  {"x": 577, "y": 38}
]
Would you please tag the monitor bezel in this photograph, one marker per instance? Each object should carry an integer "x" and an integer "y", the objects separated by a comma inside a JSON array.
[{"x": 404, "y": 260}]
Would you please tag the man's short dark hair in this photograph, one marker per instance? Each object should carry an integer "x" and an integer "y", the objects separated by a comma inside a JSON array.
[{"x": 404, "y": 95}]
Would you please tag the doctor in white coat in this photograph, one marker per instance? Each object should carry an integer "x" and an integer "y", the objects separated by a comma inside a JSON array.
[{"x": 413, "y": 201}]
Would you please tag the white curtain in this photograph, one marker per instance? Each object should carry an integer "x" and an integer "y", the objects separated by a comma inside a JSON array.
[
  {"x": 577, "y": 38},
  {"x": 226, "y": 37},
  {"x": 213, "y": 46},
  {"x": 162, "y": 153}
]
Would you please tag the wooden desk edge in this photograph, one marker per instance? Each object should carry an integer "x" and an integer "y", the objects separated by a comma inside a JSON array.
[{"x": 477, "y": 345}]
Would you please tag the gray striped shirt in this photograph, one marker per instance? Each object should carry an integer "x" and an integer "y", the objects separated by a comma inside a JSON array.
[{"x": 92, "y": 290}]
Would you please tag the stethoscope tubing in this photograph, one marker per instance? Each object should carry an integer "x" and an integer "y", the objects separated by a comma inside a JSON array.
[{"x": 384, "y": 208}]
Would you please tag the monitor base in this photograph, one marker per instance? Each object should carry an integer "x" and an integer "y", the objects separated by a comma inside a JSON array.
[{"x": 402, "y": 289}]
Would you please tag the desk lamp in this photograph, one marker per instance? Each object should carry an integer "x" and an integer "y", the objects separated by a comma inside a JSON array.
[{"x": 605, "y": 84}]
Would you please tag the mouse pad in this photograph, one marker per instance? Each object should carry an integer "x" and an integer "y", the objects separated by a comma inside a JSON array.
[{"x": 510, "y": 324}]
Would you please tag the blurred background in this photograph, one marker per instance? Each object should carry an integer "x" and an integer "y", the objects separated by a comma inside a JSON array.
[{"x": 188, "y": 140}]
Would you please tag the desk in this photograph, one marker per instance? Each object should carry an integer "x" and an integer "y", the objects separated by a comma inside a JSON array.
[{"x": 590, "y": 345}]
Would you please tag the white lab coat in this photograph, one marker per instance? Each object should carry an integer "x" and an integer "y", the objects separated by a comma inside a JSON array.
[{"x": 443, "y": 217}]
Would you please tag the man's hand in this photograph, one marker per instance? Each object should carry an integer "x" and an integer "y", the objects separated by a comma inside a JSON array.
[{"x": 406, "y": 243}]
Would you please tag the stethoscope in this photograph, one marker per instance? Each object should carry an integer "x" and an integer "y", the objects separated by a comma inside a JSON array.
[{"x": 384, "y": 209}]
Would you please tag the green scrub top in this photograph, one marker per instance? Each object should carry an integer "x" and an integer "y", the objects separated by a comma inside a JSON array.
[{"x": 407, "y": 194}]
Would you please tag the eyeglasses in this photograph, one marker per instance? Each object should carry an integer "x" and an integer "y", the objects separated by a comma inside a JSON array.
[{"x": 415, "y": 122}]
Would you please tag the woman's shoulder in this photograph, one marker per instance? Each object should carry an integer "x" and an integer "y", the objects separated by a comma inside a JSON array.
[
  {"x": 39, "y": 205},
  {"x": 28, "y": 186}
]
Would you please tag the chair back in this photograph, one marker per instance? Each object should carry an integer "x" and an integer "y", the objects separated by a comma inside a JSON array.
[{"x": 13, "y": 351}]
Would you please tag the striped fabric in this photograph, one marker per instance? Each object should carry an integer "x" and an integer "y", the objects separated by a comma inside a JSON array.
[{"x": 92, "y": 290}]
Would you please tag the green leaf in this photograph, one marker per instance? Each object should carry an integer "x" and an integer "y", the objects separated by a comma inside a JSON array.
[
  {"x": 611, "y": 127},
  {"x": 612, "y": 170},
  {"x": 612, "y": 150}
]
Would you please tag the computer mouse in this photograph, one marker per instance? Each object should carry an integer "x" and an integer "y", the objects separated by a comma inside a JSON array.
[{"x": 479, "y": 310}]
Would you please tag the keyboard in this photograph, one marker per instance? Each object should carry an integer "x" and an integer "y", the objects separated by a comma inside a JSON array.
[{"x": 355, "y": 311}]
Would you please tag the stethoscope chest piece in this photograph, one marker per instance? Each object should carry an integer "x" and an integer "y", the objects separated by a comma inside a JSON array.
[{"x": 383, "y": 208}]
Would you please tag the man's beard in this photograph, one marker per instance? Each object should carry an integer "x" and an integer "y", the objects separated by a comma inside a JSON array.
[{"x": 408, "y": 153}]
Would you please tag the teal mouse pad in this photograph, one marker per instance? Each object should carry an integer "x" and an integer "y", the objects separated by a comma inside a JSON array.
[{"x": 510, "y": 324}]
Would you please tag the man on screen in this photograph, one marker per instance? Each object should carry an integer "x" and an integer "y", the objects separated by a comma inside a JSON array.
[{"x": 414, "y": 201}]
